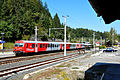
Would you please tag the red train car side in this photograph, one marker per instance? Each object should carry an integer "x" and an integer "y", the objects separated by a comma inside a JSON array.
[{"x": 22, "y": 46}]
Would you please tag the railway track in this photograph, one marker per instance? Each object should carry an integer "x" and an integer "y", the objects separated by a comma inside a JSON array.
[
  {"x": 10, "y": 71},
  {"x": 24, "y": 58}
]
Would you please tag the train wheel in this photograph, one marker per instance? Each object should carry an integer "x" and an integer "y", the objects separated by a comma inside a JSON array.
[{"x": 17, "y": 54}]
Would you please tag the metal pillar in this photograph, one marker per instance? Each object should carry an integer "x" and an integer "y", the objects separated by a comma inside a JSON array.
[
  {"x": 65, "y": 36},
  {"x": 36, "y": 38},
  {"x": 94, "y": 40},
  {"x": 36, "y": 33}
]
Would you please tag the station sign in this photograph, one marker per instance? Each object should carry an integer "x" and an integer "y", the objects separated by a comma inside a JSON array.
[{"x": 2, "y": 41}]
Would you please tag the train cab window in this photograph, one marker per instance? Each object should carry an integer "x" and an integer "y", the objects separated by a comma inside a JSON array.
[
  {"x": 43, "y": 45},
  {"x": 55, "y": 45},
  {"x": 16, "y": 44},
  {"x": 33, "y": 45},
  {"x": 21, "y": 44},
  {"x": 40, "y": 45},
  {"x": 46, "y": 45}
]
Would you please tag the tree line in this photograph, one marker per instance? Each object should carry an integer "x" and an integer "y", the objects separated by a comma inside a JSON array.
[{"x": 19, "y": 17}]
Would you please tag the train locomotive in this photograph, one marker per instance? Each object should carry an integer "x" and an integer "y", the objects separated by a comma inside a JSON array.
[{"x": 27, "y": 47}]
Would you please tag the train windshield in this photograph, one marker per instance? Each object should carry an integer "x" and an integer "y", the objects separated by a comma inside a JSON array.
[{"x": 19, "y": 44}]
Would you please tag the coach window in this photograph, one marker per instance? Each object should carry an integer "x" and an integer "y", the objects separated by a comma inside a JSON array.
[
  {"x": 43, "y": 45},
  {"x": 33, "y": 45},
  {"x": 53, "y": 45},
  {"x": 27, "y": 46},
  {"x": 46, "y": 45},
  {"x": 40, "y": 45},
  {"x": 67, "y": 45},
  {"x": 74, "y": 45}
]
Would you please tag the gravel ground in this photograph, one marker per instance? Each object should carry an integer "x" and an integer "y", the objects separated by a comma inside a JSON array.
[
  {"x": 74, "y": 69},
  {"x": 19, "y": 76}
]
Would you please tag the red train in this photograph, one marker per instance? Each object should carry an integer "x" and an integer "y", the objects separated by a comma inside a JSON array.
[{"x": 22, "y": 46}]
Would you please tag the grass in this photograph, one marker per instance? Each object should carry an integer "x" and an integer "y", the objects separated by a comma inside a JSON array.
[
  {"x": 46, "y": 74},
  {"x": 64, "y": 65},
  {"x": 9, "y": 45},
  {"x": 75, "y": 68}
]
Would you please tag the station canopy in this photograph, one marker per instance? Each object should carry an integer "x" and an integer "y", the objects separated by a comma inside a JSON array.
[{"x": 108, "y": 9}]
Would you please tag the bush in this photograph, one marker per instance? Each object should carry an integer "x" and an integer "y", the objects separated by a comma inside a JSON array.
[
  {"x": 102, "y": 47},
  {"x": 9, "y": 45}
]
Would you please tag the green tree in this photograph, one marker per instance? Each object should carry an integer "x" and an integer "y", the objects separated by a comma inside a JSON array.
[{"x": 7, "y": 29}]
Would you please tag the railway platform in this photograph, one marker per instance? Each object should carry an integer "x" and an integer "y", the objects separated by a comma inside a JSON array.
[{"x": 6, "y": 54}]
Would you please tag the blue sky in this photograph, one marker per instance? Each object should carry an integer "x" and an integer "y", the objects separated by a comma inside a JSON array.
[{"x": 81, "y": 15}]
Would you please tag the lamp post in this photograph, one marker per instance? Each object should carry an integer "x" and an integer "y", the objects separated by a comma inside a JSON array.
[
  {"x": 94, "y": 40},
  {"x": 65, "y": 36},
  {"x": 2, "y": 41}
]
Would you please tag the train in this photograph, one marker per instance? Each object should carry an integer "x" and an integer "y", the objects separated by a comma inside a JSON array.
[{"x": 27, "y": 47}]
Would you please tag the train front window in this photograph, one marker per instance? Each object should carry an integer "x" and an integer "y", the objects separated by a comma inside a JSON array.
[
  {"x": 21, "y": 44},
  {"x": 16, "y": 44}
]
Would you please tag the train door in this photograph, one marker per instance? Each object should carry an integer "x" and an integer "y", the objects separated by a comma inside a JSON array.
[
  {"x": 49, "y": 47},
  {"x": 52, "y": 47},
  {"x": 40, "y": 47},
  {"x": 30, "y": 47}
]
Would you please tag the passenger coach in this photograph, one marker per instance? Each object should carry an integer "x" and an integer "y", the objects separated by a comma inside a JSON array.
[{"x": 22, "y": 46}]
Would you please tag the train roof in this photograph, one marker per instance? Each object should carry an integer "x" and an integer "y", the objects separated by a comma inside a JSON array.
[{"x": 25, "y": 41}]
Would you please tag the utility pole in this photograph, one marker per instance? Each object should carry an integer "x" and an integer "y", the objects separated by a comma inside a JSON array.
[
  {"x": 94, "y": 40},
  {"x": 89, "y": 40},
  {"x": 36, "y": 33},
  {"x": 65, "y": 36},
  {"x": 112, "y": 39},
  {"x": 69, "y": 37},
  {"x": 36, "y": 38},
  {"x": 101, "y": 41},
  {"x": 82, "y": 39}
]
